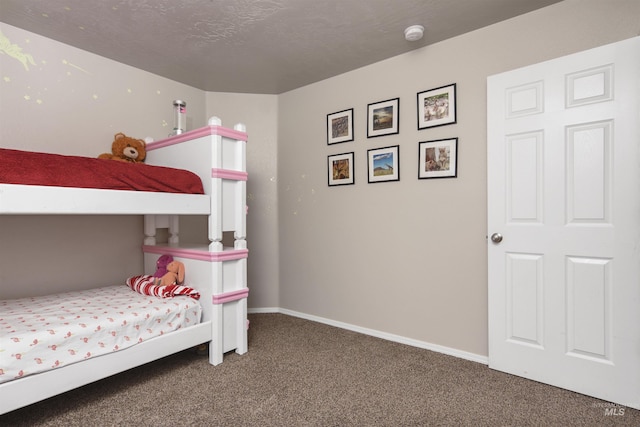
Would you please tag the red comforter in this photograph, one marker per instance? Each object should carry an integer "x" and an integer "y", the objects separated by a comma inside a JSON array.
[{"x": 30, "y": 168}]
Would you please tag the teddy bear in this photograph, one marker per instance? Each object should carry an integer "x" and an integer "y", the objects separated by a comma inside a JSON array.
[
  {"x": 161, "y": 265},
  {"x": 174, "y": 275},
  {"x": 126, "y": 149}
]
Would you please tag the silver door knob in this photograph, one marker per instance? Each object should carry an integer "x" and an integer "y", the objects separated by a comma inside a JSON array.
[{"x": 496, "y": 237}]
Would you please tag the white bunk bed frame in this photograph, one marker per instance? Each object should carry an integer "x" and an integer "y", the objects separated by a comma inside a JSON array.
[{"x": 218, "y": 156}]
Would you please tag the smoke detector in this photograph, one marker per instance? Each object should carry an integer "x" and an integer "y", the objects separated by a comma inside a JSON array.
[{"x": 413, "y": 33}]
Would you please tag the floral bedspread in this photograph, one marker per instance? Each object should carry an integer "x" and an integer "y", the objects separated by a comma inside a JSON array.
[{"x": 42, "y": 333}]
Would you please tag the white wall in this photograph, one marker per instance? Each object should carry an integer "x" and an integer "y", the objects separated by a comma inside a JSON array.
[{"x": 409, "y": 257}]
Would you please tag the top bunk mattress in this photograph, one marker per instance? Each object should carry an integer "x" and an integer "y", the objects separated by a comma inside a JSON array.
[{"x": 55, "y": 170}]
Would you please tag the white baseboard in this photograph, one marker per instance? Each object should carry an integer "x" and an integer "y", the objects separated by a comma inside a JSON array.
[
  {"x": 264, "y": 310},
  {"x": 378, "y": 334}
]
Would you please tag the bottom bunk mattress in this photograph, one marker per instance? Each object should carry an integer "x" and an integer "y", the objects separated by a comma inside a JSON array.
[{"x": 42, "y": 333}]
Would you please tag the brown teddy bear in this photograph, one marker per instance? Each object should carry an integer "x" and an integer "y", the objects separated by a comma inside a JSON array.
[
  {"x": 126, "y": 149},
  {"x": 173, "y": 276}
]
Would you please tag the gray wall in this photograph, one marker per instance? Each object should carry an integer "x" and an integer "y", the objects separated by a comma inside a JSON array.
[
  {"x": 405, "y": 258},
  {"x": 68, "y": 101},
  {"x": 409, "y": 258}
]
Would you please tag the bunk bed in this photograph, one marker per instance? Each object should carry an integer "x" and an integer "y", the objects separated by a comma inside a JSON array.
[{"x": 215, "y": 306}]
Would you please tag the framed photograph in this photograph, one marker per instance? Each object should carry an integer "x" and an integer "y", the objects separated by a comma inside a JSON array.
[
  {"x": 384, "y": 164},
  {"x": 437, "y": 107},
  {"x": 438, "y": 159},
  {"x": 383, "y": 118},
  {"x": 340, "y": 126},
  {"x": 340, "y": 169}
]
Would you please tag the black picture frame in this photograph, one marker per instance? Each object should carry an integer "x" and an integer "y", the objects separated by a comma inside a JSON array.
[
  {"x": 437, "y": 107},
  {"x": 383, "y": 118},
  {"x": 438, "y": 158},
  {"x": 384, "y": 164},
  {"x": 340, "y": 169},
  {"x": 340, "y": 127}
]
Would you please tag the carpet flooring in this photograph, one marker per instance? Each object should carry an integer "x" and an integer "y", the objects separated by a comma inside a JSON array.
[{"x": 302, "y": 373}]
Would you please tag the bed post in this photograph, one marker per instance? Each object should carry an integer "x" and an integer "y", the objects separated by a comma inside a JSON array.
[
  {"x": 216, "y": 350},
  {"x": 215, "y": 218},
  {"x": 149, "y": 229},
  {"x": 174, "y": 229},
  {"x": 153, "y": 222},
  {"x": 240, "y": 234}
]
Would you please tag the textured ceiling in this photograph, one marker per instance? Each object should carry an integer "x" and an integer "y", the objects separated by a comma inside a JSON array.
[{"x": 253, "y": 46}]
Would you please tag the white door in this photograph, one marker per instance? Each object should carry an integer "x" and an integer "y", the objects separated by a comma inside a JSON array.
[{"x": 564, "y": 196}]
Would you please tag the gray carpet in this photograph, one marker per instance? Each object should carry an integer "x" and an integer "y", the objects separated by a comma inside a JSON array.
[{"x": 302, "y": 373}]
